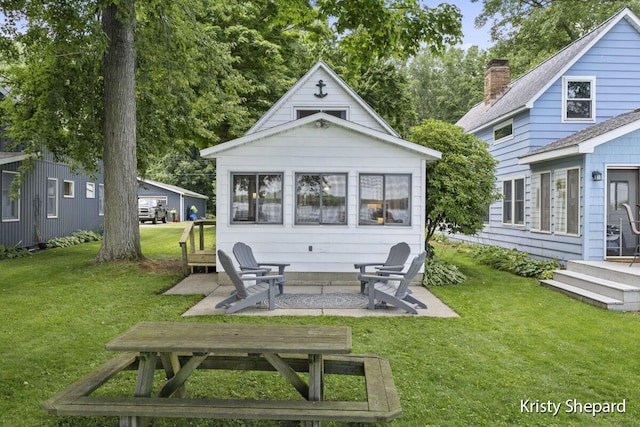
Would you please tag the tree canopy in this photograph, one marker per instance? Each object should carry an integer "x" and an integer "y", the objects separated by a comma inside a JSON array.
[{"x": 461, "y": 185}]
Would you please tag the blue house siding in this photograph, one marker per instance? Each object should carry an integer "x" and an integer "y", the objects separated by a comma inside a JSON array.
[
  {"x": 610, "y": 54},
  {"x": 623, "y": 152}
]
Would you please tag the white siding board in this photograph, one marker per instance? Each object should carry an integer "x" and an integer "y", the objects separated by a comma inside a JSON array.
[{"x": 335, "y": 247}]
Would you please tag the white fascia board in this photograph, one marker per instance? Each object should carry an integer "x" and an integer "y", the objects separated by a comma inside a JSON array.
[
  {"x": 216, "y": 150},
  {"x": 589, "y": 145},
  {"x": 13, "y": 159},
  {"x": 500, "y": 119},
  {"x": 549, "y": 155}
]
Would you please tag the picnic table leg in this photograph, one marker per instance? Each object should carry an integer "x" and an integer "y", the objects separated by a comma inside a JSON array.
[
  {"x": 144, "y": 385},
  {"x": 316, "y": 383},
  {"x": 171, "y": 366}
]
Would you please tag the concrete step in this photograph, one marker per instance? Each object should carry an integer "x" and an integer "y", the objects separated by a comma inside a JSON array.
[
  {"x": 615, "y": 272},
  {"x": 598, "y": 285},
  {"x": 586, "y": 296}
]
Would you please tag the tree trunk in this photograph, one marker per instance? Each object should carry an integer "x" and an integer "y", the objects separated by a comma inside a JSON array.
[{"x": 121, "y": 228}]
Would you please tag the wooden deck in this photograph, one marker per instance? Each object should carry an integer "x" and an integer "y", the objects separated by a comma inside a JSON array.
[{"x": 197, "y": 256}]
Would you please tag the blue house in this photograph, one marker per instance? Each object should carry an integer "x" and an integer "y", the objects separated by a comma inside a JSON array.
[{"x": 567, "y": 137}]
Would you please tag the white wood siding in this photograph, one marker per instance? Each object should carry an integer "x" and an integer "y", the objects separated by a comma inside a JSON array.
[
  {"x": 335, "y": 248},
  {"x": 337, "y": 98}
]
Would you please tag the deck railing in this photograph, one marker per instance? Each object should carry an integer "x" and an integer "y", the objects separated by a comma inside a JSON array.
[{"x": 197, "y": 256}]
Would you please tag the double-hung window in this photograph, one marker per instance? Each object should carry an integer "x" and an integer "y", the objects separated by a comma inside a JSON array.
[
  {"x": 513, "y": 201},
  {"x": 52, "y": 198},
  {"x": 256, "y": 198},
  {"x": 541, "y": 201},
  {"x": 10, "y": 206},
  {"x": 385, "y": 199},
  {"x": 578, "y": 96},
  {"x": 567, "y": 201},
  {"x": 321, "y": 198}
]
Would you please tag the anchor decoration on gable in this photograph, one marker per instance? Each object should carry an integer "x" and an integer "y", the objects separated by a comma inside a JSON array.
[{"x": 321, "y": 94}]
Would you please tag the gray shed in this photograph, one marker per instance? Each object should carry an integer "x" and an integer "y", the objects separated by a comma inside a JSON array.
[{"x": 173, "y": 197}]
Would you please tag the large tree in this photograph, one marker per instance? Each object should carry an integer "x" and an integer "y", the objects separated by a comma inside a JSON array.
[
  {"x": 529, "y": 31},
  {"x": 461, "y": 185},
  {"x": 75, "y": 83}
]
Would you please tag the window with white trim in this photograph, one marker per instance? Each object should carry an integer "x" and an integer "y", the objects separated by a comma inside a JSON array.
[
  {"x": 567, "y": 201},
  {"x": 69, "y": 189},
  {"x": 503, "y": 132},
  {"x": 578, "y": 98},
  {"x": 321, "y": 198},
  {"x": 513, "y": 201},
  {"x": 52, "y": 198},
  {"x": 10, "y": 206},
  {"x": 256, "y": 198},
  {"x": 91, "y": 190},
  {"x": 541, "y": 201},
  {"x": 385, "y": 199}
]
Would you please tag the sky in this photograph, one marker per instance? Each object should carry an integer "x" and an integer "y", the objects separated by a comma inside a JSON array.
[{"x": 472, "y": 35}]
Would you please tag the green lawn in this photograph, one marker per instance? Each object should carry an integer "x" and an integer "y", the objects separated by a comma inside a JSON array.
[{"x": 514, "y": 341}]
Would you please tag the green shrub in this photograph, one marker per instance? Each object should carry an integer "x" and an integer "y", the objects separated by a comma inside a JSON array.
[
  {"x": 440, "y": 273},
  {"x": 514, "y": 261},
  {"x": 12, "y": 252},
  {"x": 80, "y": 236}
]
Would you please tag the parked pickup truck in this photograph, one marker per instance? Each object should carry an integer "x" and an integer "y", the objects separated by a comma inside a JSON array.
[{"x": 151, "y": 210}]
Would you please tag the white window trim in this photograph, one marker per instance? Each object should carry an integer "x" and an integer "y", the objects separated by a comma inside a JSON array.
[
  {"x": 513, "y": 180},
  {"x": 56, "y": 199},
  {"x": 500, "y": 126},
  {"x": 256, "y": 222},
  {"x": 90, "y": 194},
  {"x": 73, "y": 189},
  {"x": 555, "y": 202},
  {"x": 531, "y": 201},
  {"x": 565, "y": 82},
  {"x": 18, "y": 200}
]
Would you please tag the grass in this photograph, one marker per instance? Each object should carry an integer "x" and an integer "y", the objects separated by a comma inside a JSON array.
[{"x": 514, "y": 341}]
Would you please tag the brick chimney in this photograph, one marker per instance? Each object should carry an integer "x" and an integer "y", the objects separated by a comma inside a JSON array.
[{"x": 496, "y": 79}]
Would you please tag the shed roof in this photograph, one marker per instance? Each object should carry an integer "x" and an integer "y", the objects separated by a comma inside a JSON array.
[
  {"x": 322, "y": 119},
  {"x": 585, "y": 140},
  {"x": 174, "y": 189},
  {"x": 524, "y": 91}
]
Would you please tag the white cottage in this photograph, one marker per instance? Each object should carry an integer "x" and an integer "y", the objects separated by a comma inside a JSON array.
[{"x": 321, "y": 181}]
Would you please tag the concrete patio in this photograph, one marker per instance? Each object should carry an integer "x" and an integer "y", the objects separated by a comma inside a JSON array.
[{"x": 208, "y": 286}]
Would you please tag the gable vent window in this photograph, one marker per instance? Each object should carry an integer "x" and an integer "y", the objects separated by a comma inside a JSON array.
[
  {"x": 303, "y": 112},
  {"x": 578, "y": 98}
]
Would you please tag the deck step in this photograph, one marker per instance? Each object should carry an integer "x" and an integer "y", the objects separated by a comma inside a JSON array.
[
  {"x": 586, "y": 296},
  {"x": 598, "y": 285}
]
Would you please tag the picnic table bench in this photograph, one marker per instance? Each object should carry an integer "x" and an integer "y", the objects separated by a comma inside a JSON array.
[{"x": 181, "y": 348}]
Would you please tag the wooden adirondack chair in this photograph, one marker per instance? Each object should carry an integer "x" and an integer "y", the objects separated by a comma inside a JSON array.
[
  {"x": 398, "y": 255},
  {"x": 244, "y": 256},
  {"x": 382, "y": 288},
  {"x": 248, "y": 294},
  {"x": 633, "y": 223}
]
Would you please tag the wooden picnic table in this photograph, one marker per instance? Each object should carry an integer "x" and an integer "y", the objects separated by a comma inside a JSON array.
[{"x": 180, "y": 348}]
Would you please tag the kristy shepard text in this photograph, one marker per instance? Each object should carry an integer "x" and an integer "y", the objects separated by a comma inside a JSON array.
[{"x": 572, "y": 406}]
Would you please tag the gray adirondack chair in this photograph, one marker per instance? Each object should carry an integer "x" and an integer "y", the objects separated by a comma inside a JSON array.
[
  {"x": 398, "y": 255},
  {"x": 244, "y": 256},
  {"x": 248, "y": 295},
  {"x": 383, "y": 289}
]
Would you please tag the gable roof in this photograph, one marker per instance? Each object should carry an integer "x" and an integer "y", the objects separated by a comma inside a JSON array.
[
  {"x": 11, "y": 157},
  {"x": 173, "y": 188},
  {"x": 585, "y": 140},
  {"x": 524, "y": 91},
  {"x": 322, "y": 119},
  {"x": 341, "y": 83}
]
